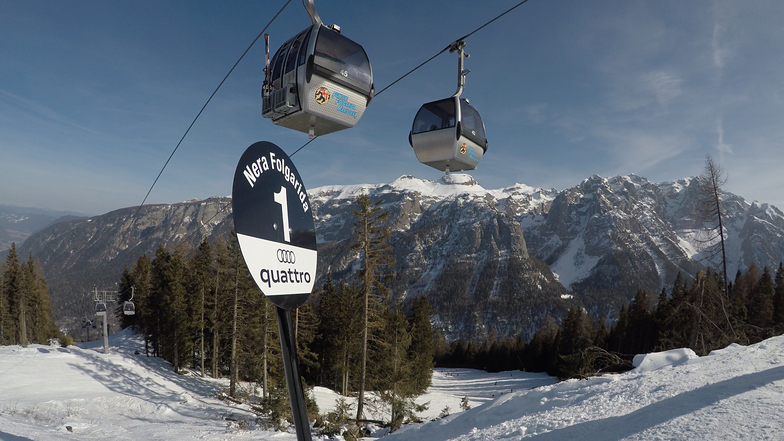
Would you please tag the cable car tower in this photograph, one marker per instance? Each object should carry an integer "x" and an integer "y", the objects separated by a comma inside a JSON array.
[
  {"x": 449, "y": 134},
  {"x": 318, "y": 82},
  {"x": 101, "y": 298}
]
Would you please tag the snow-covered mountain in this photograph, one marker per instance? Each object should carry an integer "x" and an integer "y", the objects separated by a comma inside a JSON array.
[
  {"x": 606, "y": 238},
  {"x": 489, "y": 260}
]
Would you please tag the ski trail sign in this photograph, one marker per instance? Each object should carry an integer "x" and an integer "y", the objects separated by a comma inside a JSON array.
[{"x": 274, "y": 224}]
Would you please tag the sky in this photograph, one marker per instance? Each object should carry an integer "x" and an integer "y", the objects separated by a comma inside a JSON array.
[{"x": 95, "y": 95}]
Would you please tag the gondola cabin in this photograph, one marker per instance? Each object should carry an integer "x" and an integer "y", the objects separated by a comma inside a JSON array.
[
  {"x": 129, "y": 308},
  {"x": 318, "y": 82},
  {"x": 448, "y": 135},
  {"x": 100, "y": 309}
]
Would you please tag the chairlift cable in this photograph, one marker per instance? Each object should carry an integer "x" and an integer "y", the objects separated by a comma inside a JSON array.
[
  {"x": 208, "y": 101},
  {"x": 314, "y": 138},
  {"x": 432, "y": 58}
]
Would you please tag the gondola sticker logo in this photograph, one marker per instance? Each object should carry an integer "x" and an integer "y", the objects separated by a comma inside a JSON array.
[
  {"x": 341, "y": 101},
  {"x": 463, "y": 149},
  {"x": 322, "y": 95}
]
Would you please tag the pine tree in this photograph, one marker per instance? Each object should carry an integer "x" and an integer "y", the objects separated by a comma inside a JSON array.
[
  {"x": 201, "y": 275},
  {"x": 778, "y": 300},
  {"x": 422, "y": 349},
  {"x": 371, "y": 236},
  {"x": 760, "y": 304},
  {"x": 393, "y": 373},
  {"x": 641, "y": 335},
  {"x": 575, "y": 332},
  {"x": 170, "y": 296},
  {"x": 40, "y": 320},
  {"x": 13, "y": 285},
  {"x": 339, "y": 336},
  {"x": 145, "y": 317}
]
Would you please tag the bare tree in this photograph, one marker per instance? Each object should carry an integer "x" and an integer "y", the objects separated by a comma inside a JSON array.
[{"x": 710, "y": 211}]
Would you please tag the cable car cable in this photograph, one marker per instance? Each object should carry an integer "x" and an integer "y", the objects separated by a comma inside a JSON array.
[
  {"x": 314, "y": 138},
  {"x": 431, "y": 59},
  {"x": 205, "y": 105}
]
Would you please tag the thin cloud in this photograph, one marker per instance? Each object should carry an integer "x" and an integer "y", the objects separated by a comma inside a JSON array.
[
  {"x": 42, "y": 111},
  {"x": 721, "y": 146},
  {"x": 664, "y": 85}
]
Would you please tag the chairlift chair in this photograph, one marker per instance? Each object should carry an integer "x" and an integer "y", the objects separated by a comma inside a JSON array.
[{"x": 318, "y": 82}]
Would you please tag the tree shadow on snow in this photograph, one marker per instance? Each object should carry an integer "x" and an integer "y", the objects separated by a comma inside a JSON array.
[
  {"x": 8, "y": 437},
  {"x": 618, "y": 427},
  {"x": 151, "y": 387}
]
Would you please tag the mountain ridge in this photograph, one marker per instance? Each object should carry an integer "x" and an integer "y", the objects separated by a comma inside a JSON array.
[{"x": 489, "y": 260}]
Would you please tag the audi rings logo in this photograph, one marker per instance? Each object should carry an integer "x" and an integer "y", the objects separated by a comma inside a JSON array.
[{"x": 286, "y": 256}]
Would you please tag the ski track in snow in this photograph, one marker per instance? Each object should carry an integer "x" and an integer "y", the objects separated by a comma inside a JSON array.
[{"x": 736, "y": 393}]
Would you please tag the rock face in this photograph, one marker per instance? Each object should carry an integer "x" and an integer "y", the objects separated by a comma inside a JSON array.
[
  {"x": 458, "y": 244},
  {"x": 488, "y": 260}
]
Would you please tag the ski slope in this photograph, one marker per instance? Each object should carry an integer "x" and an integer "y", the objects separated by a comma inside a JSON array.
[{"x": 733, "y": 394}]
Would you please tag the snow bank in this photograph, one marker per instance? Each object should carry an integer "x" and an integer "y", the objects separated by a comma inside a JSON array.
[{"x": 658, "y": 360}]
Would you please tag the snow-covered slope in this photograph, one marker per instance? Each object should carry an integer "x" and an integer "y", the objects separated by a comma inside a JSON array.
[{"x": 732, "y": 394}]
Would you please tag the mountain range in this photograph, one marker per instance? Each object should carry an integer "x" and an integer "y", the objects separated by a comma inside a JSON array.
[
  {"x": 490, "y": 261},
  {"x": 18, "y": 223}
]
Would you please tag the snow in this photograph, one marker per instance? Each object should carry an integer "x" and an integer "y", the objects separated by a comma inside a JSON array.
[
  {"x": 451, "y": 185},
  {"x": 658, "y": 360},
  {"x": 574, "y": 264},
  {"x": 736, "y": 393}
]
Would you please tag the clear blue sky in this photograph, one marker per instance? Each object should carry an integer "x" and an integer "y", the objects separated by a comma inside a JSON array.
[{"x": 94, "y": 95}]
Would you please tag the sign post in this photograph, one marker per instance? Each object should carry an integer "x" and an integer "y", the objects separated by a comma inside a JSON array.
[{"x": 277, "y": 237}]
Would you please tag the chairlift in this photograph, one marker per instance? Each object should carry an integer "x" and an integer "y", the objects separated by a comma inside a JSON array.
[
  {"x": 318, "y": 82},
  {"x": 449, "y": 134}
]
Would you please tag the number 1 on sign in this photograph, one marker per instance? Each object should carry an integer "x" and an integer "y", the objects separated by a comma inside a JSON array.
[{"x": 280, "y": 197}]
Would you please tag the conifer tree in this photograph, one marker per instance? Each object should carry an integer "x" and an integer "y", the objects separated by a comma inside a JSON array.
[
  {"x": 393, "y": 369},
  {"x": 13, "y": 285},
  {"x": 575, "y": 332},
  {"x": 201, "y": 275},
  {"x": 778, "y": 300},
  {"x": 371, "y": 236},
  {"x": 145, "y": 317},
  {"x": 760, "y": 304},
  {"x": 168, "y": 286},
  {"x": 5, "y": 319},
  {"x": 40, "y": 320},
  {"x": 339, "y": 336},
  {"x": 422, "y": 349}
]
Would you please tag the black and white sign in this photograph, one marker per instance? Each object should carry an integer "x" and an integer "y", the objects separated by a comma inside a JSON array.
[{"x": 274, "y": 224}]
